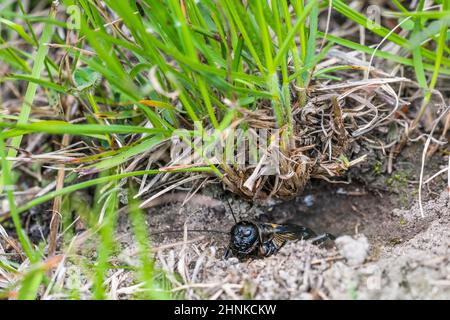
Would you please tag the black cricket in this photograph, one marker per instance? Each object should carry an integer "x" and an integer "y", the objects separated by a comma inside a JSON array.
[
  {"x": 250, "y": 239},
  {"x": 259, "y": 240}
]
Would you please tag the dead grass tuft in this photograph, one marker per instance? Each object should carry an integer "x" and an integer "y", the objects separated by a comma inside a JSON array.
[{"x": 326, "y": 132}]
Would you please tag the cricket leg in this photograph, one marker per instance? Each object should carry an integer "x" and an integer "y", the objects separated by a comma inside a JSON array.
[{"x": 322, "y": 238}]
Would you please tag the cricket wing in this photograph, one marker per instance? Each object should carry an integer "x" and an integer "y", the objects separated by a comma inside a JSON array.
[{"x": 285, "y": 232}]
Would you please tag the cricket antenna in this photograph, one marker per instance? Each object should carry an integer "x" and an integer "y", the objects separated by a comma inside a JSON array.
[
  {"x": 190, "y": 230},
  {"x": 231, "y": 210}
]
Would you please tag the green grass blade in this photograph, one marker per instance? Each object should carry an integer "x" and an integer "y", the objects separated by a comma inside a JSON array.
[
  {"x": 38, "y": 66},
  {"x": 8, "y": 186},
  {"x": 61, "y": 127},
  {"x": 101, "y": 180},
  {"x": 123, "y": 156},
  {"x": 291, "y": 35},
  {"x": 147, "y": 268}
]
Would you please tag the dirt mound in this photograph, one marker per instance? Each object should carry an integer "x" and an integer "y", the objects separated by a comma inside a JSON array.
[
  {"x": 411, "y": 263},
  {"x": 416, "y": 269}
]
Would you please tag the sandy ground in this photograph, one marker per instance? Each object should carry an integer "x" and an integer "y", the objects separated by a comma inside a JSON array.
[
  {"x": 380, "y": 253},
  {"x": 417, "y": 268}
]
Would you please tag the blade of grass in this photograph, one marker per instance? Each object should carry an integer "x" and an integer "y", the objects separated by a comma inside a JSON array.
[
  {"x": 421, "y": 14},
  {"x": 37, "y": 81},
  {"x": 101, "y": 180},
  {"x": 299, "y": 7},
  {"x": 311, "y": 43},
  {"x": 417, "y": 55},
  {"x": 378, "y": 53},
  {"x": 439, "y": 56},
  {"x": 441, "y": 44},
  {"x": 352, "y": 14},
  {"x": 30, "y": 285},
  {"x": 231, "y": 6},
  {"x": 188, "y": 38},
  {"x": 147, "y": 267},
  {"x": 61, "y": 127},
  {"x": 107, "y": 239},
  {"x": 291, "y": 35},
  {"x": 272, "y": 78},
  {"x": 125, "y": 155},
  {"x": 38, "y": 66},
  {"x": 8, "y": 186}
]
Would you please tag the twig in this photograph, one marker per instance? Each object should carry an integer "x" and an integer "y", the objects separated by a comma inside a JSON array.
[{"x": 54, "y": 223}]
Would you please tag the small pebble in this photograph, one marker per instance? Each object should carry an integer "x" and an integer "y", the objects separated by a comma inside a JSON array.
[
  {"x": 309, "y": 200},
  {"x": 355, "y": 251}
]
